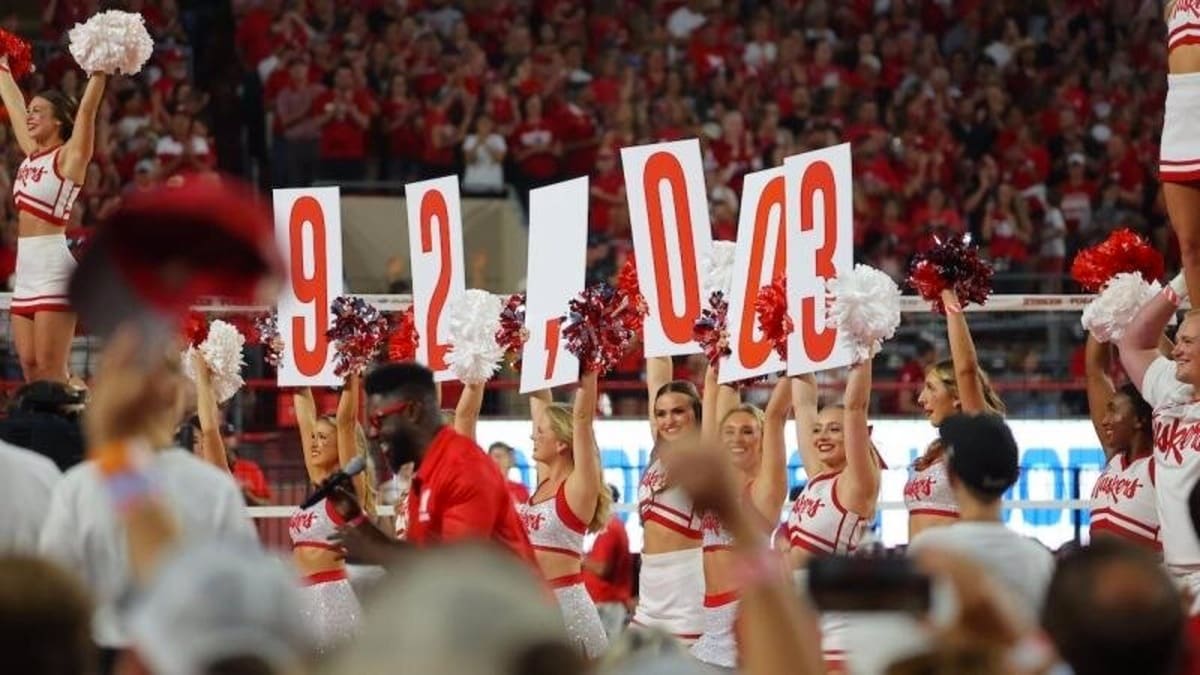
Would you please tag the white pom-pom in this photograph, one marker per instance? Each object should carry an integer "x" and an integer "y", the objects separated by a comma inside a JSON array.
[
  {"x": 717, "y": 268},
  {"x": 1109, "y": 314},
  {"x": 473, "y": 319},
  {"x": 111, "y": 42},
  {"x": 222, "y": 351},
  {"x": 865, "y": 307}
]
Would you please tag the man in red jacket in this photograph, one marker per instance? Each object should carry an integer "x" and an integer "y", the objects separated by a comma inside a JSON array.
[{"x": 608, "y": 573}]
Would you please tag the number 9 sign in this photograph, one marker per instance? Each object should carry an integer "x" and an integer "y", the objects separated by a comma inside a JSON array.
[
  {"x": 308, "y": 225},
  {"x": 820, "y": 245},
  {"x": 436, "y": 253}
]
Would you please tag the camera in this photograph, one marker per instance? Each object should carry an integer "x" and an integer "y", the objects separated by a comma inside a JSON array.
[{"x": 45, "y": 417}]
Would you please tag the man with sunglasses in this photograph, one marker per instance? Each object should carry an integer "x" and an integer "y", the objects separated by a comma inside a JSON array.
[{"x": 457, "y": 492}]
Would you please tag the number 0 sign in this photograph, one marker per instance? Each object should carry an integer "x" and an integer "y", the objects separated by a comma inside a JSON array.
[
  {"x": 668, "y": 212},
  {"x": 760, "y": 256},
  {"x": 820, "y": 245},
  {"x": 558, "y": 224},
  {"x": 308, "y": 225},
  {"x": 436, "y": 253}
]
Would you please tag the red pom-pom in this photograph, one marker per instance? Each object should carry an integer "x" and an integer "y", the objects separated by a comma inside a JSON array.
[
  {"x": 1123, "y": 251},
  {"x": 403, "y": 339},
  {"x": 628, "y": 290},
  {"x": 512, "y": 334},
  {"x": 772, "y": 308},
  {"x": 951, "y": 264},
  {"x": 359, "y": 330},
  {"x": 595, "y": 329},
  {"x": 711, "y": 330},
  {"x": 195, "y": 328},
  {"x": 20, "y": 55}
]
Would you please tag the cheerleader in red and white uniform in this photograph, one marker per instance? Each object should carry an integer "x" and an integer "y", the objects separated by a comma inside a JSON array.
[
  {"x": 1123, "y": 498},
  {"x": 57, "y": 135},
  {"x": 571, "y": 501},
  {"x": 1179, "y": 153},
  {"x": 759, "y": 458},
  {"x": 328, "y": 442},
  {"x": 957, "y": 385}
]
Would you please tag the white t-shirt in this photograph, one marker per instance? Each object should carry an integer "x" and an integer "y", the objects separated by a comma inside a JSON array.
[
  {"x": 26, "y": 480},
  {"x": 1176, "y": 460},
  {"x": 82, "y": 531},
  {"x": 1054, "y": 232},
  {"x": 484, "y": 171},
  {"x": 1019, "y": 563}
]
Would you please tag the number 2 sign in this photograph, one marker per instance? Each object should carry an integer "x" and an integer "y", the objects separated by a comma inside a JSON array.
[
  {"x": 436, "y": 254},
  {"x": 760, "y": 256},
  {"x": 308, "y": 226},
  {"x": 668, "y": 213},
  {"x": 558, "y": 225},
  {"x": 820, "y": 245}
]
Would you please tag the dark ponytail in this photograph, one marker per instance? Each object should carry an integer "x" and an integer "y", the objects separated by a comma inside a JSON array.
[{"x": 65, "y": 108}]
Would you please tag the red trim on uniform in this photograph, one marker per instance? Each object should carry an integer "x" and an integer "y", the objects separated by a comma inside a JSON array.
[
  {"x": 555, "y": 549},
  {"x": 721, "y": 599},
  {"x": 26, "y": 195},
  {"x": 1107, "y": 511},
  {"x": 1150, "y": 470},
  {"x": 566, "y": 580},
  {"x": 58, "y": 174},
  {"x": 333, "y": 514},
  {"x": 29, "y": 310},
  {"x": 933, "y": 512},
  {"x": 680, "y": 636},
  {"x": 653, "y": 505},
  {"x": 48, "y": 217},
  {"x": 797, "y": 539},
  {"x": 565, "y": 514},
  {"x": 28, "y": 298},
  {"x": 1115, "y": 530},
  {"x": 1183, "y": 41},
  {"x": 1167, "y": 176},
  {"x": 712, "y": 548},
  {"x": 317, "y": 544},
  {"x": 1179, "y": 162},
  {"x": 324, "y": 577},
  {"x": 43, "y": 153},
  {"x": 1181, "y": 27},
  {"x": 672, "y": 525}
]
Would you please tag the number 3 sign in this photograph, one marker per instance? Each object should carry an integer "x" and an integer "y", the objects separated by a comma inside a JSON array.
[
  {"x": 436, "y": 253},
  {"x": 308, "y": 225},
  {"x": 668, "y": 213},
  {"x": 820, "y": 245}
]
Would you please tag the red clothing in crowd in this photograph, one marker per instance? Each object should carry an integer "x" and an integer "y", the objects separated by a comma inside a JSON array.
[
  {"x": 250, "y": 477},
  {"x": 458, "y": 493},
  {"x": 343, "y": 138},
  {"x": 611, "y": 551},
  {"x": 518, "y": 491},
  {"x": 541, "y": 163},
  {"x": 912, "y": 373}
]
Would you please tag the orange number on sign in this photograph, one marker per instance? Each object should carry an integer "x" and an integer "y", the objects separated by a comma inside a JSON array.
[
  {"x": 433, "y": 205},
  {"x": 754, "y": 352},
  {"x": 552, "y": 334},
  {"x": 677, "y": 325},
  {"x": 818, "y": 176},
  {"x": 314, "y": 290}
]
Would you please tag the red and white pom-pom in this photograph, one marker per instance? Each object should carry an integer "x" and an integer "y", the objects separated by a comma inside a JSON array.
[
  {"x": 19, "y": 53},
  {"x": 629, "y": 294},
  {"x": 771, "y": 306},
  {"x": 195, "y": 328},
  {"x": 865, "y": 307},
  {"x": 473, "y": 319},
  {"x": 594, "y": 330},
  {"x": 711, "y": 330},
  {"x": 1108, "y": 315},
  {"x": 111, "y": 42},
  {"x": 221, "y": 349},
  {"x": 512, "y": 334},
  {"x": 717, "y": 268},
  {"x": 403, "y": 339},
  {"x": 951, "y": 264},
  {"x": 359, "y": 330},
  {"x": 1122, "y": 251},
  {"x": 266, "y": 329}
]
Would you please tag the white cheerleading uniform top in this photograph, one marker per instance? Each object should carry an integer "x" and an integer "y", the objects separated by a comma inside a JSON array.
[
  {"x": 552, "y": 526},
  {"x": 1183, "y": 25},
  {"x": 1176, "y": 459},
  {"x": 667, "y": 506},
  {"x": 819, "y": 524},
  {"x": 314, "y": 526},
  {"x": 1123, "y": 501},
  {"x": 928, "y": 492},
  {"x": 713, "y": 535},
  {"x": 41, "y": 190}
]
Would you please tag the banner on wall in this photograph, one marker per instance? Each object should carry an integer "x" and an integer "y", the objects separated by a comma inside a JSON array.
[{"x": 1060, "y": 459}]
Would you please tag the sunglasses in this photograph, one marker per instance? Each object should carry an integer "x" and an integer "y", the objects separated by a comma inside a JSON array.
[{"x": 375, "y": 421}]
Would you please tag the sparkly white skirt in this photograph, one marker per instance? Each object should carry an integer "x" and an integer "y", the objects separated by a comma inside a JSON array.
[
  {"x": 331, "y": 609},
  {"x": 671, "y": 594},
  {"x": 718, "y": 645},
  {"x": 579, "y": 613}
]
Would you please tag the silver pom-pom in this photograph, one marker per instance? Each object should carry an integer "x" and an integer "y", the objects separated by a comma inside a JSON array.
[
  {"x": 865, "y": 307},
  {"x": 473, "y": 319},
  {"x": 717, "y": 268},
  {"x": 111, "y": 42},
  {"x": 1109, "y": 314}
]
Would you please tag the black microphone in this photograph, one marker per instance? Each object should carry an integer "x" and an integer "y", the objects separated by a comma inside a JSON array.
[{"x": 337, "y": 478}]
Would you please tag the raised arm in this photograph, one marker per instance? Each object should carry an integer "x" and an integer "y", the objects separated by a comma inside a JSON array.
[
  {"x": 715, "y": 403},
  {"x": 769, "y": 489},
  {"x": 862, "y": 471},
  {"x": 306, "y": 421},
  {"x": 79, "y": 148},
  {"x": 1097, "y": 358},
  {"x": 14, "y": 104},
  {"x": 347, "y": 430},
  {"x": 1139, "y": 345},
  {"x": 804, "y": 401},
  {"x": 466, "y": 414},
  {"x": 658, "y": 373},
  {"x": 211, "y": 444},
  {"x": 587, "y": 478},
  {"x": 962, "y": 352}
]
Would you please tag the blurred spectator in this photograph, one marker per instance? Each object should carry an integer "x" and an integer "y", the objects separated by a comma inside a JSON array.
[
  {"x": 343, "y": 115},
  {"x": 537, "y": 149},
  {"x": 1052, "y": 238},
  {"x": 45, "y": 613},
  {"x": 398, "y": 280},
  {"x": 505, "y": 458},
  {"x": 29, "y": 479},
  {"x": 483, "y": 154},
  {"x": 297, "y": 128},
  {"x": 608, "y": 573},
  {"x": 402, "y": 114},
  {"x": 248, "y": 474},
  {"x": 910, "y": 379},
  {"x": 183, "y": 151}
]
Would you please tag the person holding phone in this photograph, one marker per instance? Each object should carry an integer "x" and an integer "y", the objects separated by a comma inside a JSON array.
[{"x": 57, "y": 136}]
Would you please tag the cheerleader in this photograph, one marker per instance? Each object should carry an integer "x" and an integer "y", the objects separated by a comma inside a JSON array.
[
  {"x": 758, "y": 457},
  {"x": 572, "y": 501},
  {"x": 328, "y": 442},
  {"x": 57, "y": 135},
  {"x": 1179, "y": 152},
  {"x": 1123, "y": 498},
  {"x": 957, "y": 385}
]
